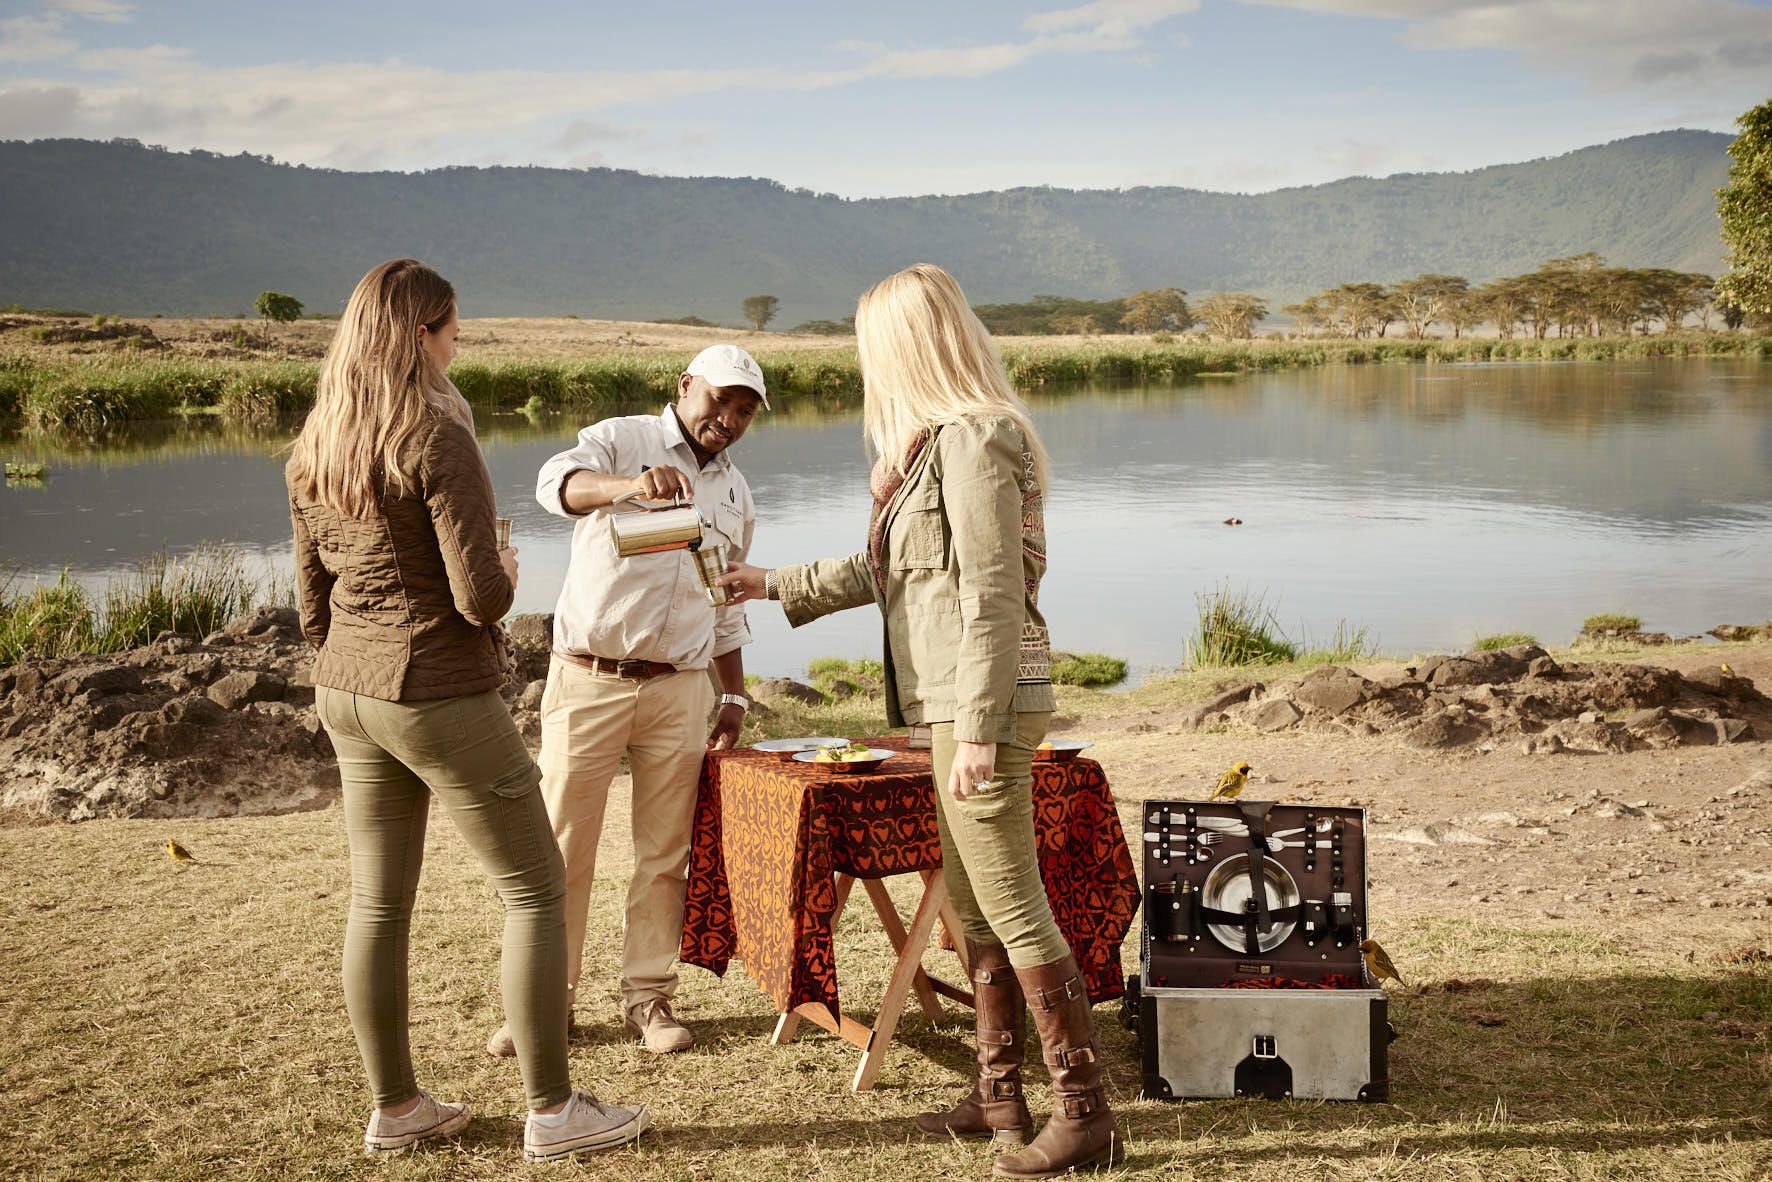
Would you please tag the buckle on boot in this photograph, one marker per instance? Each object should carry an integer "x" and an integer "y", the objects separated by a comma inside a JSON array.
[
  {"x": 1005, "y": 1089},
  {"x": 996, "y": 1038},
  {"x": 1080, "y": 1104},
  {"x": 1071, "y": 990},
  {"x": 1074, "y": 1057}
]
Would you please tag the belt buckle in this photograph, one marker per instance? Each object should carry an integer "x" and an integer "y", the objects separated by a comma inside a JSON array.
[{"x": 633, "y": 670}]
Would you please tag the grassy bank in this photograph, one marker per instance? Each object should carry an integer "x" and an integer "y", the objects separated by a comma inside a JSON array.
[
  {"x": 195, "y": 594},
  {"x": 85, "y": 392}
]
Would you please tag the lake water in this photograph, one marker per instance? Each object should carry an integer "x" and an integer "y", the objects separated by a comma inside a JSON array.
[{"x": 1433, "y": 504}]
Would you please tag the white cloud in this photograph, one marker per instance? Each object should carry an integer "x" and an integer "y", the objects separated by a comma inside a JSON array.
[
  {"x": 33, "y": 39},
  {"x": 1615, "y": 42},
  {"x": 393, "y": 113},
  {"x": 96, "y": 10}
]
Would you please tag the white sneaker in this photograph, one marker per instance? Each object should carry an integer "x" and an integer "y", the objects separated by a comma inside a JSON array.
[
  {"x": 588, "y": 1125},
  {"x": 432, "y": 1118}
]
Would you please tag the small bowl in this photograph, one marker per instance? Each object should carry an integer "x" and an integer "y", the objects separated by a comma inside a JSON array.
[
  {"x": 876, "y": 757},
  {"x": 786, "y": 749},
  {"x": 1061, "y": 750}
]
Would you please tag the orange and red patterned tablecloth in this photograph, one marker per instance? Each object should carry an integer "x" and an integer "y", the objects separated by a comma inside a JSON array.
[{"x": 770, "y": 834}]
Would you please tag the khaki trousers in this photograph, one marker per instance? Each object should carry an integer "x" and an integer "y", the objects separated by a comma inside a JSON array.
[
  {"x": 588, "y": 721},
  {"x": 393, "y": 758},
  {"x": 988, "y": 849}
]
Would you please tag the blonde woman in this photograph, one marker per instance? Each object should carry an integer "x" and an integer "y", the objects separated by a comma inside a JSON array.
[
  {"x": 401, "y": 583},
  {"x": 956, "y": 549}
]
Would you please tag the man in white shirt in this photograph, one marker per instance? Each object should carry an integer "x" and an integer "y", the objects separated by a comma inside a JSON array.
[{"x": 633, "y": 639}]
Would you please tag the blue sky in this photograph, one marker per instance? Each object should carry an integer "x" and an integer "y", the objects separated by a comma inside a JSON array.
[{"x": 885, "y": 100}]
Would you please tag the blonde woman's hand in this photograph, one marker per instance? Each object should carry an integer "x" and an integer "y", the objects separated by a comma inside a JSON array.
[
  {"x": 745, "y": 581},
  {"x": 974, "y": 764},
  {"x": 507, "y": 558}
]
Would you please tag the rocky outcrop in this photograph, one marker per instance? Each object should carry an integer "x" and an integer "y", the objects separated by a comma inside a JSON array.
[
  {"x": 182, "y": 727},
  {"x": 1516, "y": 694}
]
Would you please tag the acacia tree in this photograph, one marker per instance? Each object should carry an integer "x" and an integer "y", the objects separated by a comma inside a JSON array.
[
  {"x": 760, "y": 309},
  {"x": 1745, "y": 207},
  {"x": 1156, "y": 310},
  {"x": 1427, "y": 298},
  {"x": 1232, "y": 315},
  {"x": 275, "y": 306}
]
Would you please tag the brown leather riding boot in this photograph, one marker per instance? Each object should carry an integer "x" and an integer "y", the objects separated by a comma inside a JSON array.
[
  {"x": 1081, "y": 1133},
  {"x": 995, "y": 1107}
]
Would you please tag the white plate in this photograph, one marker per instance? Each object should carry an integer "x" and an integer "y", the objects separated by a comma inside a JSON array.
[
  {"x": 780, "y": 746},
  {"x": 1062, "y": 748}
]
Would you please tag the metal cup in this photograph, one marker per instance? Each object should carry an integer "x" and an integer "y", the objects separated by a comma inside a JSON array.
[
  {"x": 501, "y": 530},
  {"x": 710, "y": 565}
]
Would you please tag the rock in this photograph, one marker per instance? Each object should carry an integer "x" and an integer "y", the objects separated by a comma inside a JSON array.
[
  {"x": 1734, "y": 632},
  {"x": 1332, "y": 689},
  {"x": 1588, "y": 718},
  {"x": 1275, "y": 714},
  {"x": 247, "y": 685},
  {"x": 1595, "y": 736},
  {"x": 102, "y": 679},
  {"x": 1543, "y": 667},
  {"x": 173, "y": 643},
  {"x": 194, "y": 709},
  {"x": 8, "y": 679},
  {"x": 1230, "y": 697},
  {"x": 530, "y": 698},
  {"x": 218, "y": 640},
  {"x": 1446, "y": 672},
  {"x": 787, "y": 687},
  {"x": 532, "y": 630},
  {"x": 1733, "y": 730},
  {"x": 265, "y": 623},
  {"x": 1440, "y": 731},
  {"x": 1512, "y": 820},
  {"x": 1435, "y": 833},
  {"x": 1614, "y": 810}
]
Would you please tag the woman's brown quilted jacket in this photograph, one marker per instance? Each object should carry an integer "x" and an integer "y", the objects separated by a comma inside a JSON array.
[{"x": 404, "y": 605}]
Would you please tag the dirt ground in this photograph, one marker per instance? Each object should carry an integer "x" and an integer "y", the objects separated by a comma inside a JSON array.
[{"x": 1673, "y": 845}]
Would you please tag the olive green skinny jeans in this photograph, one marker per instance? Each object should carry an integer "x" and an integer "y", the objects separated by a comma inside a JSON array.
[
  {"x": 988, "y": 849},
  {"x": 392, "y": 757}
]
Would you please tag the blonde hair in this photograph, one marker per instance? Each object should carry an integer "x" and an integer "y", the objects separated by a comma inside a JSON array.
[
  {"x": 927, "y": 361},
  {"x": 378, "y": 387}
]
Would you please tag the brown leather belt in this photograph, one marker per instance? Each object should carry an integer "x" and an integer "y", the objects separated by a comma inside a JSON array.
[{"x": 632, "y": 670}]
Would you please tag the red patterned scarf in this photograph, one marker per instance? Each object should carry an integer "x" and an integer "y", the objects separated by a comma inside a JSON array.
[{"x": 886, "y": 482}]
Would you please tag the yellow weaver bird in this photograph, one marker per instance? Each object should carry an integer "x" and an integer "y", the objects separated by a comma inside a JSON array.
[
  {"x": 1231, "y": 782},
  {"x": 1727, "y": 672},
  {"x": 1379, "y": 962},
  {"x": 177, "y": 852}
]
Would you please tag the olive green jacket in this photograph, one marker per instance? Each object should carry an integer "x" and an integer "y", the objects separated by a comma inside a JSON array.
[{"x": 965, "y": 551}]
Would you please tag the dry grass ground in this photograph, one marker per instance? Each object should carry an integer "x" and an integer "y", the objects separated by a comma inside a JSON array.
[{"x": 176, "y": 1022}]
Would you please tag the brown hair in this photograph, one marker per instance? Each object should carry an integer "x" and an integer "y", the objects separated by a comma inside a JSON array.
[{"x": 378, "y": 386}]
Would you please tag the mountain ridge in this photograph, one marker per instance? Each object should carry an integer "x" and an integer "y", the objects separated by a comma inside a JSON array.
[{"x": 119, "y": 227}]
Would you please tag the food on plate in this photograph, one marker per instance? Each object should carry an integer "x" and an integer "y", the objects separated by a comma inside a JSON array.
[
  {"x": 1046, "y": 746},
  {"x": 849, "y": 753}
]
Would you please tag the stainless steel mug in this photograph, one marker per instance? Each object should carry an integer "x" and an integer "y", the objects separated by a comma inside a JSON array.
[{"x": 710, "y": 564}]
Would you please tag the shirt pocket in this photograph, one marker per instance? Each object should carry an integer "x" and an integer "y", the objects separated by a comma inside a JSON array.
[
  {"x": 918, "y": 538},
  {"x": 728, "y": 523}
]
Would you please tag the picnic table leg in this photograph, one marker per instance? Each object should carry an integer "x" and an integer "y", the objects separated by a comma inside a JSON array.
[
  {"x": 874, "y": 1054},
  {"x": 889, "y": 919},
  {"x": 787, "y": 1024}
]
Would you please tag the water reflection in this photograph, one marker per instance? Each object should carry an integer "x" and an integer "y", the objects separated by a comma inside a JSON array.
[{"x": 1434, "y": 503}]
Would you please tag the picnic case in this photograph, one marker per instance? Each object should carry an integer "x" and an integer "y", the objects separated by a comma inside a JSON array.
[{"x": 1251, "y": 981}]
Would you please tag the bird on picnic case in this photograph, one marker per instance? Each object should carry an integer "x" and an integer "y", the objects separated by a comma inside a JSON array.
[
  {"x": 1231, "y": 782},
  {"x": 1727, "y": 672},
  {"x": 1379, "y": 961},
  {"x": 177, "y": 852}
]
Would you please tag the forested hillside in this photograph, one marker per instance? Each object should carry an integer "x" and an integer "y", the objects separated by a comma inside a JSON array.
[{"x": 121, "y": 228}]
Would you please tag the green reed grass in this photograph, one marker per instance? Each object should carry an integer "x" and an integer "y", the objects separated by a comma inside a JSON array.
[
  {"x": 1611, "y": 622},
  {"x": 1088, "y": 669},
  {"x": 89, "y": 392},
  {"x": 1237, "y": 628},
  {"x": 195, "y": 594}
]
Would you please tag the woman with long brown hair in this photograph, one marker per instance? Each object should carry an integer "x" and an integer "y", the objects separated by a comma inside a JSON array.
[
  {"x": 402, "y": 584},
  {"x": 955, "y": 553}
]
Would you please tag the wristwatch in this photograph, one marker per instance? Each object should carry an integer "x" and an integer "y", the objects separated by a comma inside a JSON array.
[{"x": 739, "y": 700}]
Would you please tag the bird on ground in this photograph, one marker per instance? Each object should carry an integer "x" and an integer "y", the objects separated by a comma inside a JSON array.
[
  {"x": 177, "y": 852},
  {"x": 1231, "y": 782},
  {"x": 1379, "y": 962},
  {"x": 1727, "y": 672}
]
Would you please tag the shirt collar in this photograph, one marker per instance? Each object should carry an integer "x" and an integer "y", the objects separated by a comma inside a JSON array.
[{"x": 673, "y": 429}]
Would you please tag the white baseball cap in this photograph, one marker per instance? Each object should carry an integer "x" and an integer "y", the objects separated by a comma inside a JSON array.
[{"x": 729, "y": 365}]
